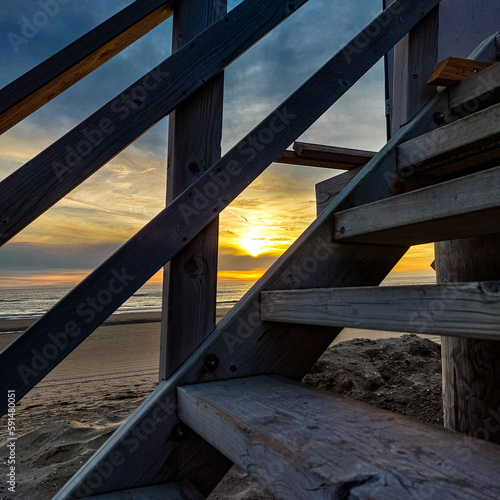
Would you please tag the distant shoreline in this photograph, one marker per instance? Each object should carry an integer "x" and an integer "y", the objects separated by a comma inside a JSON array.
[{"x": 16, "y": 326}]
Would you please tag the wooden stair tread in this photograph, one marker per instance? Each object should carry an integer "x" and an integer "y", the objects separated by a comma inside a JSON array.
[
  {"x": 470, "y": 310},
  {"x": 454, "y": 209},
  {"x": 467, "y": 143},
  {"x": 305, "y": 444},
  {"x": 455, "y": 69},
  {"x": 182, "y": 490}
]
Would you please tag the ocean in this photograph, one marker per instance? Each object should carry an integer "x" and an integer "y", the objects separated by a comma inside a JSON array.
[{"x": 16, "y": 303}]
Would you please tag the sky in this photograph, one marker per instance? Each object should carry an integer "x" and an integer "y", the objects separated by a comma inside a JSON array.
[{"x": 95, "y": 219}]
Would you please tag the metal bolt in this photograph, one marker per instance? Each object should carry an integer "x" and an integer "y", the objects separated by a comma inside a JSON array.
[
  {"x": 210, "y": 363},
  {"x": 180, "y": 432},
  {"x": 439, "y": 118}
]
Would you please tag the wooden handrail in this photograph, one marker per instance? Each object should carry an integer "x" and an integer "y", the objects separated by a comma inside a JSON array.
[
  {"x": 38, "y": 86},
  {"x": 78, "y": 314},
  {"x": 36, "y": 186}
]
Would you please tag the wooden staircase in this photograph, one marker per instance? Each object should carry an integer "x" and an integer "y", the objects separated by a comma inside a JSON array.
[{"x": 236, "y": 398}]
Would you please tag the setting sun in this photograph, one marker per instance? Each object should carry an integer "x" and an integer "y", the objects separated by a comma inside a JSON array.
[{"x": 253, "y": 244}]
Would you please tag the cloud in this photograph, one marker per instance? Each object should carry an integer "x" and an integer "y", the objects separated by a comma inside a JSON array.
[{"x": 103, "y": 212}]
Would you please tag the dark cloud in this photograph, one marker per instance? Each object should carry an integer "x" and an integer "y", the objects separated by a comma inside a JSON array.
[{"x": 255, "y": 84}]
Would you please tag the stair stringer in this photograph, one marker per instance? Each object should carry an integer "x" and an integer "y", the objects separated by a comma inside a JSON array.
[{"x": 144, "y": 450}]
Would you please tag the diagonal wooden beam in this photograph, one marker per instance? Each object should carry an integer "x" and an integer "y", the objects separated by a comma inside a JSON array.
[
  {"x": 43, "y": 181},
  {"x": 46, "y": 81},
  {"x": 147, "y": 448},
  {"x": 101, "y": 293}
]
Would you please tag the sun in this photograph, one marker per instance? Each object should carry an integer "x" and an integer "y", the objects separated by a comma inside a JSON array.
[{"x": 253, "y": 243}]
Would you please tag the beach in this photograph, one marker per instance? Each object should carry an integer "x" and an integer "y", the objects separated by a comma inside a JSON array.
[{"x": 71, "y": 412}]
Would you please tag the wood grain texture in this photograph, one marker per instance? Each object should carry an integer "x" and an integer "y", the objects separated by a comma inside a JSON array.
[
  {"x": 471, "y": 371},
  {"x": 464, "y": 310},
  {"x": 172, "y": 491},
  {"x": 476, "y": 93},
  {"x": 292, "y": 158},
  {"x": 242, "y": 343},
  {"x": 46, "y": 81},
  {"x": 411, "y": 179},
  {"x": 333, "y": 153},
  {"x": 328, "y": 190},
  {"x": 415, "y": 58},
  {"x": 41, "y": 182},
  {"x": 459, "y": 208},
  {"x": 194, "y": 145},
  {"x": 465, "y": 143},
  {"x": 304, "y": 444},
  {"x": 455, "y": 69}
]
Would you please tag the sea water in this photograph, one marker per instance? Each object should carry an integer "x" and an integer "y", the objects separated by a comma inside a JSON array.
[{"x": 16, "y": 303}]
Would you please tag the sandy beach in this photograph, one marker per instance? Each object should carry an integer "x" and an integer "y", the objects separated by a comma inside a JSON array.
[{"x": 63, "y": 420}]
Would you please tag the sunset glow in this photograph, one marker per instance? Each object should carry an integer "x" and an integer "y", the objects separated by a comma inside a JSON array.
[{"x": 93, "y": 221}]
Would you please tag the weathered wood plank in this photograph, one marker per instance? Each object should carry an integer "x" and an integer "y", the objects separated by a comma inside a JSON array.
[
  {"x": 194, "y": 145},
  {"x": 476, "y": 93},
  {"x": 469, "y": 310},
  {"x": 470, "y": 366},
  {"x": 292, "y": 158},
  {"x": 455, "y": 69},
  {"x": 455, "y": 209},
  {"x": 305, "y": 444},
  {"x": 242, "y": 343},
  {"x": 415, "y": 57},
  {"x": 46, "y": 81},
  {"x": 328, "y": 190},
  {"x": 468, "y": 142},
  {"x": 41, "y": 182},
  {"x": 182, "y": 490},
  {"x": 355, "y": 157}
]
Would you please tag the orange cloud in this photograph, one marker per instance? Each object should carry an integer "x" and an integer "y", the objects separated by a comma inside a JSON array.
[{"x": 252, "y": 275}]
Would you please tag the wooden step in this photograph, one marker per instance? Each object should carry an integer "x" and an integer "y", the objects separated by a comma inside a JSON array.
[
  {"x": 305, "y": 444},
  {"x": 182, "y": 490},
  {"x": 476, "y": 93},
  {"x": 454, "y": 70},
  {"x": 469, "y": 143},
  {"x": 469, "y": 310},
  {"x": 455, "y": 209}
]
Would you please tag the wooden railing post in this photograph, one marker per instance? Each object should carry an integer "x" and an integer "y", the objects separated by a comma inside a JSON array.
[
  {"x": 194, "y": 144},
  {"x": 471, "y": 371}
]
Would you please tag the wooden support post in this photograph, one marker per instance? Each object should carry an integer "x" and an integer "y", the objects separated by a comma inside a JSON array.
[
  {"x": 194, "y": 144},
  {"x": 470, "y": 368}
]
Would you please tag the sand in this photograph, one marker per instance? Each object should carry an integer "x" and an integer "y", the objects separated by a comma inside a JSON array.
[{"x": 61, "y": 422}]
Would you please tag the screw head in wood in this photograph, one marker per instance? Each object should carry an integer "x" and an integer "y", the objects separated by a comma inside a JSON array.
[
  {"x": 439, "y": 118},
  {"x": 180, "y": 432},
  {"x": 210, "y": 363}
]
